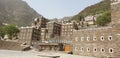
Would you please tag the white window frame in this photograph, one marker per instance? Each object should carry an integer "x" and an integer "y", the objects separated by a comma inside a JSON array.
[
  {"x": 109, "y": 38},
  {"x": 94, "y": 38},
  {"x": 101, "y": 38},
  {"x": 102, "y": 49},
  {"x": 110, "y": 50},
  {"x": 88, "y": 38},
  {"x": 76, "y": 39},
  {"x": 76, "y": 48},
  {"x": 88, "y": 49},
  {"x": 81, "y": 49},
  {"x": 94, "y": 49},
  {"x": 82, "y": 38}
]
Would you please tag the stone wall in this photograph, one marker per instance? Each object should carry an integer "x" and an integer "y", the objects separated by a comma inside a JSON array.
[{"x": 91, "y": 42}]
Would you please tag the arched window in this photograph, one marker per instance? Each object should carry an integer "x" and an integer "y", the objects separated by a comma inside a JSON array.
[
  {"x": 88, "y": 49},
  {"x": 88, "y": 38},
  {"x": 76, "y": 48},
  {"x": 76, "y": 38},
  {"x": 82, "y": 38},
  {"x": 102, "y": 38},
  {"x": 95, "y": 49},
  {"x": 81, "y": 49},
  {"x": 109, "y": 38},
  {"x": 110, "y": 50},
  {"x": 102, "y": 50},
  {"x": 94, "y": 38}
]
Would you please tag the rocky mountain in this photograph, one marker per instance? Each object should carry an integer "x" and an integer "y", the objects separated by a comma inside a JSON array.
[
  {"x": 16, "y": 12},
  {"x": 98, "y": 8}
]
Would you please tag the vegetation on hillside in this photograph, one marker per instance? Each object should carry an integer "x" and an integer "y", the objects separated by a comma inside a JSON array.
[
  {"x": 98, "y": 8},
  {"x": 104, "y": 19}
]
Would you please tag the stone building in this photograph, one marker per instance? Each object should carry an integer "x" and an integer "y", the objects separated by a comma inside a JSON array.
[
  {"x": 44, "y": 32},
  {"x": 40, "y": 22},
  {"x": 29, "y": 35},
  {"x": 53, "y": 30},
  {"x": 90, "y": 20},
  {"x": 99, "y": 41},
  {"x": 67, "y": 30}
]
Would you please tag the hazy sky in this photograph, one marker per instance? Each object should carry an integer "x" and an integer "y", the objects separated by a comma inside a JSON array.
[{"x": 59, "y": 8}]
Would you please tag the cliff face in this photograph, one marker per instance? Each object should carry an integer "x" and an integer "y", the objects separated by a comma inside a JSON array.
[{"x": 16, "y": 12}]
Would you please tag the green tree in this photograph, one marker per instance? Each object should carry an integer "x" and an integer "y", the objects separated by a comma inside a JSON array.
[
  {"x": 2, "y": 32},
  {"x": 104, "y": 19},
  {"x": 11, "y": 30}
]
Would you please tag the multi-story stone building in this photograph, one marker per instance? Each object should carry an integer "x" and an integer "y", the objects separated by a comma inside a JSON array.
[
  {"x": 67, "y": 30},
  {"x": 44, "y": 32},
  {"x": 40, "y": 22},
  {"x": 53, "y": 30},
  {"x": 29, "y": 35}
]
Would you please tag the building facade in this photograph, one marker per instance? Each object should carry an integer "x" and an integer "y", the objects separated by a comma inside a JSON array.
[
  {"x": 67, "y": 30},
  {"x": 29, "y": 35},
  {"x": 44, "y": 32},
  {"x": 40, "y": 22},
  {"x": 53, "y": 30}
]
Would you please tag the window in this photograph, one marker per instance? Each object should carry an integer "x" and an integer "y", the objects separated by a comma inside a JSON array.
[
  {"x": 82, "y": 38},
  {"x": 88, "y": 49},
  {"x": 102, "y": 38},
  {"x": 110, "y": 38},
  {"x": 102, "y": 50},
  {"x": 76, "y": 38},
  {"x": 95, "y": 49},
  {"x": 88, "y": 38},
  {"x": 94, "y": 38},
  {"x": 81, "y": 49},
  {"x": 110, "y": 50},
  {"x": 76, "y": 48}
]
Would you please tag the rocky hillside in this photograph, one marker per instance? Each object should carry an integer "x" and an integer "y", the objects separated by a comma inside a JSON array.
[
  {"x": 98, "y": 8},
  {"x": 16, "y": 12}
]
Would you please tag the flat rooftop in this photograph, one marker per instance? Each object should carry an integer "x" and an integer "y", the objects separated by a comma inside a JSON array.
[{"x": 35, "y": 54}]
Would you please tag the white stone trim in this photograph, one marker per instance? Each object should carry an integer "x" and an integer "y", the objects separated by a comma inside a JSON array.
[
  {"x": 102, "y": 38},
  {"x": 94, "y": 49},
  {"x": 102, "y": 50},
  {"x": 110, "y": 38},
  {"x": 94, "y": 38},
  {"x": 82, "y": 38},
  {"x": 110, "y": 50},
  {"x": 88, "y": 38}
]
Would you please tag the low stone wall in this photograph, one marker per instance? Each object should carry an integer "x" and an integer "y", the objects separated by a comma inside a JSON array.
[
  {"x": 7, "y": 45},
  {"x": 96, "y": 42}
]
